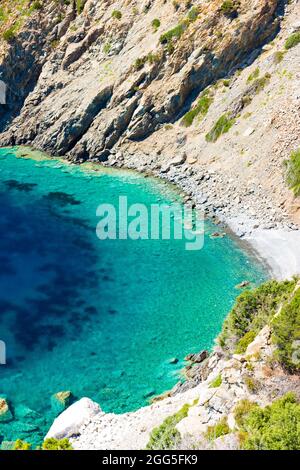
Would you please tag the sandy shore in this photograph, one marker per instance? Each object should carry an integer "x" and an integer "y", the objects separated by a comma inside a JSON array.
[{"x": 279, "y": 249}]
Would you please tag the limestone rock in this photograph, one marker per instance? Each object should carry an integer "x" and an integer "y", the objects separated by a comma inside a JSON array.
[{"x": 70, "y": 421}]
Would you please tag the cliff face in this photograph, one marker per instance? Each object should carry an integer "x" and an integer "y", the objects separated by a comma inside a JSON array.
[
  {"x": 98, "y": 77},
  {"x": 113, "y": 81}
]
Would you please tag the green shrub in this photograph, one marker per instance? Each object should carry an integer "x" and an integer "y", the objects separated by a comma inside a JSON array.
[
  {"x": 293, "y": 172},
  {"x": 155, "y": 24},
  {"x": 80, "y": 6},
  {"x": 251, "y": 384},
  {"x": 200, "y": 109},
  {"x": 260, "y": 83},
  {"x": 253, "y": 75},
  {"x": 172, "y": 33},
  {"x": 219, "y": 429},
  {"x": 275, "y": 427},
  {"x": 217, "y": 382},
  {"x": 193, "y": 14},
  {"x": 292, "y": 41},
  {"x": 228, "y": 8},
  {"x": 9, "y": 34},
  {"x": 253, "y": 310},
  {"x": 223, "y": 124},
  {"x": 278, "y": 56},
  {"x": 166, "y": 435},
  {"x": 286, "y": 334},
  {"x": 116, "y": 14},
  {"x": 57, "y": 444},
  {"x": 242, "y": 410},
  {"x": 244, "y": 342},
  {"x": 21, "y": 445}
]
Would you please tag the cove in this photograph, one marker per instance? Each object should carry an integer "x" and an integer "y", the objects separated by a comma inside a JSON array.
[{"x": 100, "y": 318}]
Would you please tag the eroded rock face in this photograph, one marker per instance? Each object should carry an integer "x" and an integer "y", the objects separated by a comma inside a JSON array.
[{"x": 87, "y": 93}]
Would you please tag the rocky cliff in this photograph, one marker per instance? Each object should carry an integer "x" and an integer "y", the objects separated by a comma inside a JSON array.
[{"x": 135, "y": 83}]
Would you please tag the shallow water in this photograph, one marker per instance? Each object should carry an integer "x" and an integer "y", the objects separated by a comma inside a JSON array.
[{"x": 99, "y": 318}]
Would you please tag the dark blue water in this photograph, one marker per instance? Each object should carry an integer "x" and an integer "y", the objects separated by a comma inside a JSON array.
[{"x": 99, "y": 318}]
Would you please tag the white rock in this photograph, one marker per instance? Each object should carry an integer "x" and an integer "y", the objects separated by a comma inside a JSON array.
[
  {"x": 248, "y": 132},
  {"x": 70, "y": 421}
]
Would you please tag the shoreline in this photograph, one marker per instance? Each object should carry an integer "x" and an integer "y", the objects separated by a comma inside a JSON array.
[{"x": 278, "y": 249}]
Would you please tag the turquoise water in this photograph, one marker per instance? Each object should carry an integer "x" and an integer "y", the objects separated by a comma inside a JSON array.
[{"x": 99, "y": 318}]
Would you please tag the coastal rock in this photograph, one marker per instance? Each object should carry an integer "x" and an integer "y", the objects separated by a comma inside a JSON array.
[
  {"x": 197, "y": 358},
  {"x": 73, "y": 418},
  {"x": 5, "y": 413},
  {"x": 60, "y": 401}
]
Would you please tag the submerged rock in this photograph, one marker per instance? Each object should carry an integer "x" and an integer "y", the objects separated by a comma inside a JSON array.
[
  {"x": 60, "y": 401},
  {"x": 69, "y": 422},
  {"x": 5, "y": 413}
]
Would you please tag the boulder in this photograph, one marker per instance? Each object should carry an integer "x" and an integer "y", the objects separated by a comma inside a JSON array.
[
  {"x": 5, "y": 413},
  {"x": 178, "y": 160},
  {"x": 60, "y": 401},
  {"x": 73, "y": 418},
  {"x": 197, "y": 358}
]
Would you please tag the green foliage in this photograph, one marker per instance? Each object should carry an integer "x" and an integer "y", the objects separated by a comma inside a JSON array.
[
  {"x": 242, "y": 410},
  {"x": 116, "y": 14},
  {"x": 275, "y": 427},
  {"x": 292, "y": 41},
  {"x": 253, "y": 310},
  {"x": 200, "y": 109},
  {"x": 80, "y": 6},
  {"x": 244, "y": 342},
  {"x": 293, "y": 172},
  {"x": 260, "y": 83},
  {"x": 223, "y": 124},
  {"x": 251, "y": 384},
  {"x": 9, "y": 34},
  {"x": 193, "y": 14},
  {"x": 253, "y": 75},
  {"x": 217, "y": 382},
  {"x": 57, "y": 444},
  {"x": 166, "y": 435},
  {"x": 155, "y": 24},
  {"x": 286, "y": 333},
  {"x": 228, "y": 8},
  {"x": 278, "y": 56},
  {"x": 172, "y": 33},
  {"x": 21, "y": 445},
  {"x": 219, "y": 429}
]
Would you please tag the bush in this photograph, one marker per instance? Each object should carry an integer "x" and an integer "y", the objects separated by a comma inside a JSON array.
[
  {"x": 80, "y": 6},
  {"x": 21, "y": 445},
  {"x": 219, "y": 429},
  {"x": 217, "y": 382},
  {"x": 253, "y": 310},
  {"x": 275, "y": 427},
  {"x": 292, "y": 41},
  {"x": 166, "y": 435},
  {"x": 286, "y": 334},
  {"x": 193, "y": 14},
  {"x": 201, "y": 109},
  {"x": 116, "y": 14},
  {"x": 253, "y": 75},
  {"x": 56, "y": 444},
  {"x": 229, "y": 9},
  {"x": 223, "y": 124},
  {"x": 293, "y": 172},
  {"x": 244, "y": 342},
  {"x": 9, "y": 34},
  {"x": 172, "y": 33},
  {"x": 155, "y": 24},
  {"x": 242, "y": 409}
]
